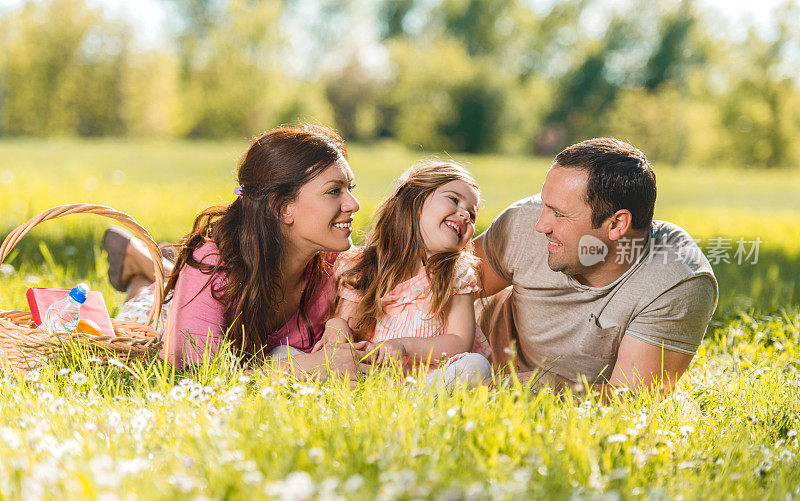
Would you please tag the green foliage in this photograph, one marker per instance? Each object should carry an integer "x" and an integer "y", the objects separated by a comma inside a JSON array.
[
  {"x": 391, "y": 15},
  {"x": 355, "y": 96},
  {"x": 483, "y": 27},
  {"x": 657, "y": 119},
  {"x": 673, "y": 54},
  {"x": 196, "y": 434},
  {"x": 526, "y": 113},
  {"x": 62, "y": 64},
  {"x": 81, "y": 429},
  {"x": 150, "y": 86},
  {"x": 585, "y": 93},
  {"x": 760, "y": 113},
  {"x": 462, "y": 116},
  {"x": 462, "y": 75},
  {"x": 225, "y": 56}
]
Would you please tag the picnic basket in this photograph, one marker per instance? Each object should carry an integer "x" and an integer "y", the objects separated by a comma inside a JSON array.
[{"x": 25, "y": 346}]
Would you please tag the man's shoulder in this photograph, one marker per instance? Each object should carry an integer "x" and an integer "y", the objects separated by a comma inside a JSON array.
[
  {"x": 511, "y": 244},
  {"x": 526, "y": 208},
  {"x": 521, "y": 214},
  {"x": 673, "y": 244},
  {"x": 533, "y": 202},
  {"x": 670, "y": 229},
  {"x": 673, "y": 258}
]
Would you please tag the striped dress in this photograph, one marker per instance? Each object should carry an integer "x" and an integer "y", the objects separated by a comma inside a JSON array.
[{"x": 407, "y": 306}]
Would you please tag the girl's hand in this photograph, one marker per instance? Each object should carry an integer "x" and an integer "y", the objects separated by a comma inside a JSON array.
[
  {"x": 389, "y": 352},
  {"x": 336, "y": 331}
]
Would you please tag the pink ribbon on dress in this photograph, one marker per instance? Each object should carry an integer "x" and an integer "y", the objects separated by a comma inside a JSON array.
[{"x": 413, "y": 295}]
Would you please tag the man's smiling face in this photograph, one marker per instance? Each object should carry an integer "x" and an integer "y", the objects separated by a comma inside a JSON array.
[{"x": 566, "y": 218}]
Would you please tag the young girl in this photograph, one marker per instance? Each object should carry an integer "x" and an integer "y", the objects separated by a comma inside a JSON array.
[{"x": 409, "y": 289}]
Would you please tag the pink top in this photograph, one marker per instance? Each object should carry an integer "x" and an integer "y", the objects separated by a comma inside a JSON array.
[
  {"x": 196, "y": 321},
  {"x": 407, "y": 306}
]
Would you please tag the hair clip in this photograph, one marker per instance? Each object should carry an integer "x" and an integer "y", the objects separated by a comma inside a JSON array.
[{"x": 239, "y": 190}]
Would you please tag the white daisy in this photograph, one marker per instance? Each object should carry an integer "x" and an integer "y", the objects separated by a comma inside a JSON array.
[{"x": 78, "y": 378}]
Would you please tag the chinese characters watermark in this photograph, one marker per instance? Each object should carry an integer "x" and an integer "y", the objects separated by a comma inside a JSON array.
[{"x": 717, "y": 250}]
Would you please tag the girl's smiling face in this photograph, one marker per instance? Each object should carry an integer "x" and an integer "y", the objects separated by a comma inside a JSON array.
[{"x": 447, "y": 218}]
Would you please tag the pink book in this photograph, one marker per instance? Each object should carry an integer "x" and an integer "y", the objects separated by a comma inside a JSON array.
[{"x": 40, "y": 298}]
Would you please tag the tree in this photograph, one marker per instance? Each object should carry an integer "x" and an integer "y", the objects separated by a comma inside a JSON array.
[
  {"x": 228, "y": 66},
  {"x": 759, "y": 112},
  {"x": 674, "y": 53},
  {"x": 62, "y": 70}
]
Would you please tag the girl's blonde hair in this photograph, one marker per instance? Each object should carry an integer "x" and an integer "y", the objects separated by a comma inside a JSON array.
[{"x": 394, "y": 246}]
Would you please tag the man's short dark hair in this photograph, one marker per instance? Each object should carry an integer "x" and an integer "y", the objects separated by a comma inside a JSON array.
[{"x": 620, "y": 177}]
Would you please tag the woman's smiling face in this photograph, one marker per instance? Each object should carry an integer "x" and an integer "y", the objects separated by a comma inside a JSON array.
[
  {"x": 320, "y": 217},
  {"x": 447, "y": 219}
]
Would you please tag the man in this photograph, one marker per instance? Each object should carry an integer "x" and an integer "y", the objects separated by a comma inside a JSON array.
[{"x": 599, "y": 292}]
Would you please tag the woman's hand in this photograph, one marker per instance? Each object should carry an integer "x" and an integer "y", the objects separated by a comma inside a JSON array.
[{"x": 344, "y": 359}]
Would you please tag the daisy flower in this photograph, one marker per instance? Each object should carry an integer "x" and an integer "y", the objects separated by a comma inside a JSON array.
[{"x": 78, "y": 378}]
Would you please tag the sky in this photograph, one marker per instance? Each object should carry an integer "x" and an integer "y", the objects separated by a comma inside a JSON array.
[
  {"x": 152, "y": 17},
  {"x": 733, "y": 12}
]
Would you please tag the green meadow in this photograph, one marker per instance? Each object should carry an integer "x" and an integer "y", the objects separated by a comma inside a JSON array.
[{"x": 79, "y": 430}]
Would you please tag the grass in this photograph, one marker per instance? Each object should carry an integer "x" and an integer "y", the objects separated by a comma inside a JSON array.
[{"x": 82, "y": 430}]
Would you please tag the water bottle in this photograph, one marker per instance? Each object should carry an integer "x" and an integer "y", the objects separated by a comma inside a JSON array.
[{"x": 63, "y": 315}]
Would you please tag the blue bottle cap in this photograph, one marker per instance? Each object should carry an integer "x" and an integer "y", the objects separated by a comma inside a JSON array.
[{"x": 79, "y": 292}]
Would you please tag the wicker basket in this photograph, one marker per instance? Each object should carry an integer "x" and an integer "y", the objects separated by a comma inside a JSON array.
[{"x": 26, "y": 346}]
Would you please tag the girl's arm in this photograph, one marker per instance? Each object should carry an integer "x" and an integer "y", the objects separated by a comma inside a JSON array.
[
  {"x": 458, "y": 337},
  {"x": 338, "y": 326}
]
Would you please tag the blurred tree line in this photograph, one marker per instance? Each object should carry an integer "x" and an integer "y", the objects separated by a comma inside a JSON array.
[{"x": 456, "y": 75}]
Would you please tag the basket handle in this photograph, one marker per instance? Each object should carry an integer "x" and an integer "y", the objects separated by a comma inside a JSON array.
[{"x": 20, "y": 231}]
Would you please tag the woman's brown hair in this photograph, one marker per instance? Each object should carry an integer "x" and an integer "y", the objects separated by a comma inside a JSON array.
[
  {"x": 394, "y": 247},
  {"x": 249, "y": 238}
]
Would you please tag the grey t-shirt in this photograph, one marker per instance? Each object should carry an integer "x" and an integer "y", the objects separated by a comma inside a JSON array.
[{"x": 666, "y": 298}]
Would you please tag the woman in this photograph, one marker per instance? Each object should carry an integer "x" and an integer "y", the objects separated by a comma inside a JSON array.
[{"x": 257, "y": 272}]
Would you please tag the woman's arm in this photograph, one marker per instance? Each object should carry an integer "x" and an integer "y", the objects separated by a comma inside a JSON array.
[
  {"x": 342, "y": 359},
  {"x": 335, "y": 357},
  {"x": 458, "y": 337},
  {"x": 195, "y": 323}
]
